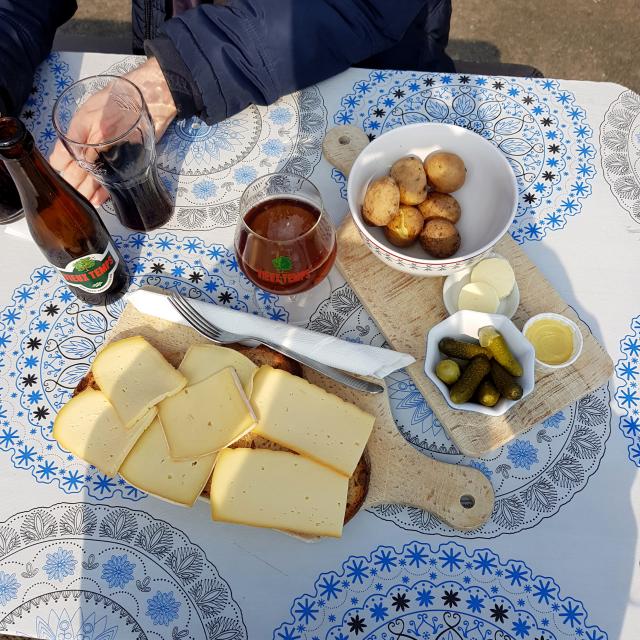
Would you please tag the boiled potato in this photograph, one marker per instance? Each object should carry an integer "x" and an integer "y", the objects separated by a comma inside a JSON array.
[
  {"x": 440, "y": 238},
  {"x": 440, "y": 205},
  {"x": 381, "y": 202},
  {"x": 404, "y": 227},
  {"x": 445, "y": 171},
  {"x": 409, "y": 173}
]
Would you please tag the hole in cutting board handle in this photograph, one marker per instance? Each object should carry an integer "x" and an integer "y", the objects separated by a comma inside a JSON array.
[
  {"x": 467, "y": 501},
  {"x": 344, "y": 140}
]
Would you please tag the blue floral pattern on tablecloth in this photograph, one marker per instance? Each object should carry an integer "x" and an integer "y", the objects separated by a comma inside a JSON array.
[
  {"x": 48, "y": 340},
  {"x": 50, "y": 80},
  {"x": 534, "y": 475},
  {"x": 424, "y": 592},
  {"x": 627, "y": 393},
  {"x": 535, "y": 122},
  {"x": 620, "y": 150},
  {"x": 97, "y": 572}
]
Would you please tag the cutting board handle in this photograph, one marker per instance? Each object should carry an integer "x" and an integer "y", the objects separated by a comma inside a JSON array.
[
  {"x": 460, "y": 496},
  {"x": 342, "y": 145}
]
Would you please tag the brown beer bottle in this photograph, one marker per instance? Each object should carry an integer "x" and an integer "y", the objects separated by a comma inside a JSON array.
[
  {"x": 10, "y": 205},
  {"x": 63, "y": 223}
]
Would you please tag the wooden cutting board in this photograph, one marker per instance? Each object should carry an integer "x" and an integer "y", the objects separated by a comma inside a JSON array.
[
  {"x": 399, "y": 474},
  {"x": 405, "y": 307}
]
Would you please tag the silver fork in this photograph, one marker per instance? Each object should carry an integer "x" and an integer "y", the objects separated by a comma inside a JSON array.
[{"x": 213, "y": 333}]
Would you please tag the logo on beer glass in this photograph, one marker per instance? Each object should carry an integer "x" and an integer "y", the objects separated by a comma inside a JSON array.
[
  {"x": 282, "y": 275},
  {"x": 282, "y": 263}
]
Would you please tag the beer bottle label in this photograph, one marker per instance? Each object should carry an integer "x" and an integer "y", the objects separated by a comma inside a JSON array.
[{"x": 94, "y": 272}]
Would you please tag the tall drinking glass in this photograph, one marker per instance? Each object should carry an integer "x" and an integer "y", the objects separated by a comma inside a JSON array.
[
  {"x": 285, "y": 242},
  {"x": 105, "y": 125}
]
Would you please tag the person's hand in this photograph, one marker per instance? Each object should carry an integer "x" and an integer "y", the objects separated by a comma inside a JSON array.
[{"x": 92, "y": 123}]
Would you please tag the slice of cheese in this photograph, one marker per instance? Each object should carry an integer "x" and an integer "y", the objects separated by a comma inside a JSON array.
[
  {"x": 478, "y": 296},
  {"x": 497, "y": 272},
  {"x": 203, "y": 360},
  {"x": 150, "y": 468},
  {"x": 302, "y": 417},
  {"x": 279, "y": 490},
  {"x": 207, "y": 416},
  {"x": 89, "y": 427},
  {"x": 135, "y": 377}
]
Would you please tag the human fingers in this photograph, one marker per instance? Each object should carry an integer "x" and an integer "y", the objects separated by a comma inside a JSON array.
[
  {"x": 74, "y": 174},
  {"x": 60, "y": 158},
  {"x": 88, "y": 186},
  {"x": 99, "y": 197}
]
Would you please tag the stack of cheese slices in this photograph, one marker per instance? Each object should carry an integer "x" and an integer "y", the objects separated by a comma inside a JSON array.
[{"x": 165, "y": 431}]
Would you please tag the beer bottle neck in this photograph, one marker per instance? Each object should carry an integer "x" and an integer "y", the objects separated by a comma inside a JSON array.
[{"x": 36, "y": 181}]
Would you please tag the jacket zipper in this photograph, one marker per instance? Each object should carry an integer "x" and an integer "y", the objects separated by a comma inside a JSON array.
[{"x": 147, "y": 19}]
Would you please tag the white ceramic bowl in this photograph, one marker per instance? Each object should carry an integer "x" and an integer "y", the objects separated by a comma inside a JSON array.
[
  {"x": 488, "y": 198},
  {"x": 453, "y": 285},
  {"x": 575, "y": 331},
  {"x": 465, "y": 325}
]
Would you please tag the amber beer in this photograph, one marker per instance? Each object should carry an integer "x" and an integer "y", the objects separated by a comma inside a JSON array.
[
  {"x": 283, "y": 247},
  {"x": 63, "y": 222}
]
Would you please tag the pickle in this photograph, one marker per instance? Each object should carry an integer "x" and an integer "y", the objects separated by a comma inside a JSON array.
[
  {"x": 463, "y": 350},
  {"x": 495, "y": 342},
  {"x": 504, "y": 382},
  {"x": 448, "y": 371},
  {"x": 463, "y": 390},
  {"x": 487, "y": 394}
]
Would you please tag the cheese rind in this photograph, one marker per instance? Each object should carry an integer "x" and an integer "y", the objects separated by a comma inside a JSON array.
[
  {"x": 497, "y": 272},
  {"x": 203, "y": 360},
  {"x": 150, "y": 468},
  {"x": 279, "y": 490},
  {"x": 478, "y": 296},
  {"x": 89, "y": 427},
  {"x": 135, "y": 376},
  {"x": 305, "y": 418},
  {"x": 207, "y": 416}
]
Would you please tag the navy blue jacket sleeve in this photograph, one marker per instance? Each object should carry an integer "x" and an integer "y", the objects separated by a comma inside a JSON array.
[
  {"x": 27, "y": 29},
  {"x": 220, "y": 58}
]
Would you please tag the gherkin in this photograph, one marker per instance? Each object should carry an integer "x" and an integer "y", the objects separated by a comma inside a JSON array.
[
  {"x": 463, "y": 390},
  {"x": 487, "y": 394},
  {"x": 462, "y": 350},
  {"x": 505, "y": 382},
  {"x": 495, "y": 342}
]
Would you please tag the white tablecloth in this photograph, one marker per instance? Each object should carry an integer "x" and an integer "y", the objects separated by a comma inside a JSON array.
[{"x": 82, "y": 556}]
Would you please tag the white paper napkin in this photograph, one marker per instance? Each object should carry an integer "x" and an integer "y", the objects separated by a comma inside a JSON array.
[{"x": 360, "y": 359}]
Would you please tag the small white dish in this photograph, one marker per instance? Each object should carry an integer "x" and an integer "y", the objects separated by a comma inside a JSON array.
[
  {"x": 575, "y": 331},
  {"x": 464, "y": 325},
  {"x": 454, "y": 283}
]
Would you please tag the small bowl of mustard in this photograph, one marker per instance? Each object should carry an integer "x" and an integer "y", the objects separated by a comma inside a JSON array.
[{"x": 556, "y": 339}]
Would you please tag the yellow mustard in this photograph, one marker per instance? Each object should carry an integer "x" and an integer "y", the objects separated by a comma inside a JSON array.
[{"x": 552, "y": 340}]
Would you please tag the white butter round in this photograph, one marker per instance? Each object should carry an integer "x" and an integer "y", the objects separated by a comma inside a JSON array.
[
  {"x": 496, "y": 272},
  {"x": 478, "y": 296}
]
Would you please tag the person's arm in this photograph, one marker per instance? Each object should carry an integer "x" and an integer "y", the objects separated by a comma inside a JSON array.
[
  {"x": 27, "y": 29},
  {"x": 220, "y": 58}
]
